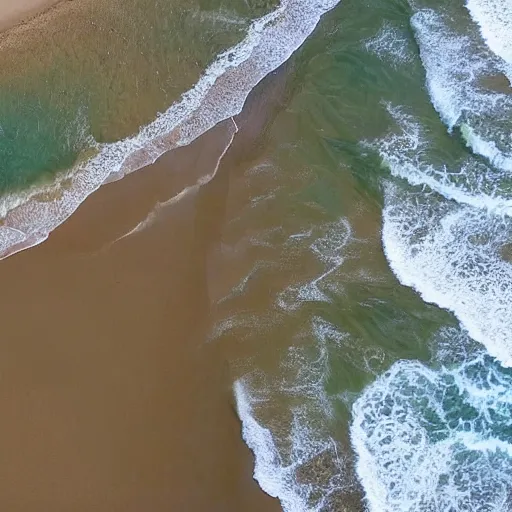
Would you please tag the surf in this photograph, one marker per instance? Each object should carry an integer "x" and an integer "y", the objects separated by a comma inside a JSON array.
[
  {"x": 495, "y": 21},
  {"x": 218, "y": 95},
  {"x": 456, "y": 67},
  {"x": 436, "y": 438}
]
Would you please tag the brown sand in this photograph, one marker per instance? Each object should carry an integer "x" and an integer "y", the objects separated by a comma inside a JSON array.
[
  {"x": 15, "y": 11},
  {"x": 111, "y": 398}
]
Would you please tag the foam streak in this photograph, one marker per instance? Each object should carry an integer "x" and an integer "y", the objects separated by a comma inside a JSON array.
[{"x": 218, "y": 95}]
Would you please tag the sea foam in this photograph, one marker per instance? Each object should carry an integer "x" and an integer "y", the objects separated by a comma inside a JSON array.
[
  {"x": 457, "y": 67},
  {"x": 448, "y": 236},
  {"x": 454, "y": 256},
  {"x": 436, "y": 440},
  {"x": 329, "y": 245},
  {"x": 219, "y": 94},
  {"x": 407, "y": 152},
  {"x": 391, "y": 43},
  {"x": 296, "y": 458},
  {"x": 494, "y": 18},
  {"x": 287, "y": 416}
]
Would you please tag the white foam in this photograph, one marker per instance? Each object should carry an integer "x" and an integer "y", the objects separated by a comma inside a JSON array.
[
  {"x": 219, "y": 94},
  {"x": 456, "y": 67},
  {"x": 486, "y": 148},
  {"x": 473, "y": 183},
  {"x": 276, "y": 477},
  {"x": 259, "y": 440},
  {"x": 329, "y": 247},
  {"x": 452, "y": 255},
  {"x": 286, "y": 450},
  {"x": 435, "y": 440},
  {"x": 494, "y": 18},
  {"x": 391, "y": 43}
]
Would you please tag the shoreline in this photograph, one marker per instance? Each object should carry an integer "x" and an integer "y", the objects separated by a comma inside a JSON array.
[
  {"x": 210, "y": 101},
  {"x": 20, "y": 12},
  {"x": 114, "y": 398}
]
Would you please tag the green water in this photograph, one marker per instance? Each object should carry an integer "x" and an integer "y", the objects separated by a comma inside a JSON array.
[
  {"x": 315, "y": 302},
  {"x": 100, "y": 72},
  {"x": 351, "y": 325}
]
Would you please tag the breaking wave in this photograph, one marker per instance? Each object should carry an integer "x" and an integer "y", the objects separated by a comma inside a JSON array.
[
  {"x": 219, "y": 94},
  {"x": 436, "y": 440},
  {"x": 457, "y": 67}
]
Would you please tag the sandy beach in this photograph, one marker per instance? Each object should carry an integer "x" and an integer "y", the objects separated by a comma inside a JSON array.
[
  {"x": 15, "y": 11},
  {"x": 112, "y": 397},
  {"x": 263, "y": 256}
]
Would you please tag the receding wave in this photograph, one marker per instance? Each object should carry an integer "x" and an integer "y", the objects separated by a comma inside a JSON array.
[
  {"x": 457, "y": 67},
  {"x": 219, "y": 94},
  {"x": 436, "y": 440},
  {"x": 296, "y": 458}
]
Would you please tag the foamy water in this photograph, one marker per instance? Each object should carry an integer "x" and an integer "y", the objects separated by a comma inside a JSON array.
[
  {"x": 436, "y": 440},
  {"x": 427, "y": 436},
  {"x": 391, "y": 43},
  {"x": 283, "y": 473},
  {"x": 448, "y": 237},
  {"x": 453, "y": 256},
  {"x": 286, "y": 417},
  {"x": 329, "y": 249},
  {"x": 494, "y": 18},
  {"x": 451, "y": 252},
  {"x": 287, "y": 454},
  {"x": 456, "y": 65},
  {"x": 218, "y": 95},
  {"x": 467, "y": 181},
  {"x": 436, "y": 437}
]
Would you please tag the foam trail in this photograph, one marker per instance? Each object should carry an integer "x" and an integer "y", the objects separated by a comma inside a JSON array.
[
  {"x": 456, "y": 68},
  {"x": 391, "y": 43},
  {"x": 296, "y": 460},
  {"x": 494, "y": 18},
  {"x": 436, "y": 440},
  {"x": 204, "y": 180},
  {"x": 218, "y": 95},
  {"x": 456, "y": 257},
  {"x": 471, "y": 182},
  {"x": 329, "y": 248}
]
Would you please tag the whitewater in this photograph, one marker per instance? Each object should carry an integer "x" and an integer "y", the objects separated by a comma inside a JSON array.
[
  {"x": 28, "y": 217},
  {"x": 431, "y": 435},
  {"x": 437, "y": 437}
]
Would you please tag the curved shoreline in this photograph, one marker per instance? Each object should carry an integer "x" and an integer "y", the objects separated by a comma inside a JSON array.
[{"x": 218, "y": 95}]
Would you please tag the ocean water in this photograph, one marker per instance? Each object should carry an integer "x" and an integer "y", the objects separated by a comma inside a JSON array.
[{"x": 370, "y": 251}]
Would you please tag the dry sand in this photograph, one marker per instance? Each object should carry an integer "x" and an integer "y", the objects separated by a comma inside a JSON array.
[{"x": 111, "y": 397}]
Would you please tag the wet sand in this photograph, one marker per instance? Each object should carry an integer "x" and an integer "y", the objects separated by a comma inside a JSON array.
[
  {"x": 15, "y": 11},
  {"x": 112, "y": 398}
]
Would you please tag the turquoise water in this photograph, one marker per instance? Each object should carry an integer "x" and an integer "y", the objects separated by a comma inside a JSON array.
[
  {"x": 104, "y": 72},
  {"x": 375, "y": 287}
]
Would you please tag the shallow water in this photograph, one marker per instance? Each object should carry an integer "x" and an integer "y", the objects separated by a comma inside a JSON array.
[
  {"x": 368, "y": 244},
  {"x": 106, "y": 70}
]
